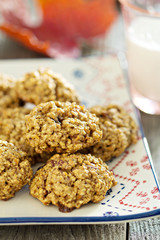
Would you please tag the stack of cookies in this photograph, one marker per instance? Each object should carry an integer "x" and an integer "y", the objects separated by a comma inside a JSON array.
[{"x": 72, "y": 142}]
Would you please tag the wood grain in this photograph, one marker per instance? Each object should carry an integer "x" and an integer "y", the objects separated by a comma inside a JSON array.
[
  {"x": 59, "y": 232},
  {"x": 149, "y": 230}
]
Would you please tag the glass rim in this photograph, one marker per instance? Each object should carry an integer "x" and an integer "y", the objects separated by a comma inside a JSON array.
[{"x": 126, "y": 3}]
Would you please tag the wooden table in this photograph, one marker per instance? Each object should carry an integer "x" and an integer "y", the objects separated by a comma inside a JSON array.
[{"x": 147, "y": 229}]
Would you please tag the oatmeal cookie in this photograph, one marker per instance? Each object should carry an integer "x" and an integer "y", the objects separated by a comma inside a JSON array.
[
  {"x": 61, "y": 127},
  {"x": 12, "y": 125},
  {"x": 43, "y": 86},
  {"x": 119, "y": 131},
  {"x": 70, "y": 181},
  {"x": 12, "y": 129},
  {"x": 15, "y": 170},
  {"x": 8, "y": 96}
]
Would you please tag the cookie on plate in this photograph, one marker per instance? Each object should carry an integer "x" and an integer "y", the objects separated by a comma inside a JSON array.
[
  {"x": 43, "y": 85},
  {"x": 8, "y": 96},
  {"x": 70, "y": 181},
  {"x": 12, "y": 124},
  {"x": 62, "y": 127},
  {"x": 15, "y": 170},
  {"x": 12, "y": 128},
  {"x": 119, "y": 131}
]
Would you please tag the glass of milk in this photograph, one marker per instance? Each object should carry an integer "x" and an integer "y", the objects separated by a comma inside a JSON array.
[{"x": 142, "y": 30}]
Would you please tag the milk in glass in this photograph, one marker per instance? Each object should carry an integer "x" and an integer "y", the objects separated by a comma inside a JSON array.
[{"x": 143, "y": 52}]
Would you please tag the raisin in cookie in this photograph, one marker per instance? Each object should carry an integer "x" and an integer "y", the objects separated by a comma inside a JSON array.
[
  {"x": 70, "y": 181},
  {"x": 15, "y": 170},
  {"x": 8, "y": 96},
  {"x": 43, "y": 85},
  {"x": 119, "y": 131},
  {"x": 61, "y": 127}
]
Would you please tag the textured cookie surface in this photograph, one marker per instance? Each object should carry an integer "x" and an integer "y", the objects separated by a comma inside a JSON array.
[
  {"x": 8, "y": 96},
  {"x": 15, "y": 170},
  {"x": 43, "y": 85},
  {"x": 119, "y": 131},
  {"x": 12, "y": 128},
  {"x": 61, "y": 127},
  {"x": 69, "y": 181},
  {"x": 12, "y": 125}
]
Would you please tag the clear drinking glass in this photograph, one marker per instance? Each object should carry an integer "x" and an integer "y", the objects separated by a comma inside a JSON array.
[{"x": 142, "y": 30}]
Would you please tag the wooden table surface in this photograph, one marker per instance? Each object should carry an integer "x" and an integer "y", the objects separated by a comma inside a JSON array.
[{"x": 147, "y": 229}]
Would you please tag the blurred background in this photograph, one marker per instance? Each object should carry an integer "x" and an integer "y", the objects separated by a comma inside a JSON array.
[{"x": 63, "y": 28}]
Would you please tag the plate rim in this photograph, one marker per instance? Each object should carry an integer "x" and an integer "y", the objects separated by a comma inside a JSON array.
[{"x": 103, "y": 219}]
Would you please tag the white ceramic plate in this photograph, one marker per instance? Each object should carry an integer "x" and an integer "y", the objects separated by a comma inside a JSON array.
[{"x": 137, "y": 195}]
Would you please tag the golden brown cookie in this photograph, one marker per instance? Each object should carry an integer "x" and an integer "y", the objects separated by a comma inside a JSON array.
[
  {"x": 119, "y": 131},
  {"x": 43, "y": 85},
  {"x": 12, "y": 125},
  {"x": 12, "y": 128},
  {"x": 61, "y": 127},
  {"x": 15, "y": 170},
  {"x": 8, "y": 96},
  {"x": 70, "y": 181}
]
